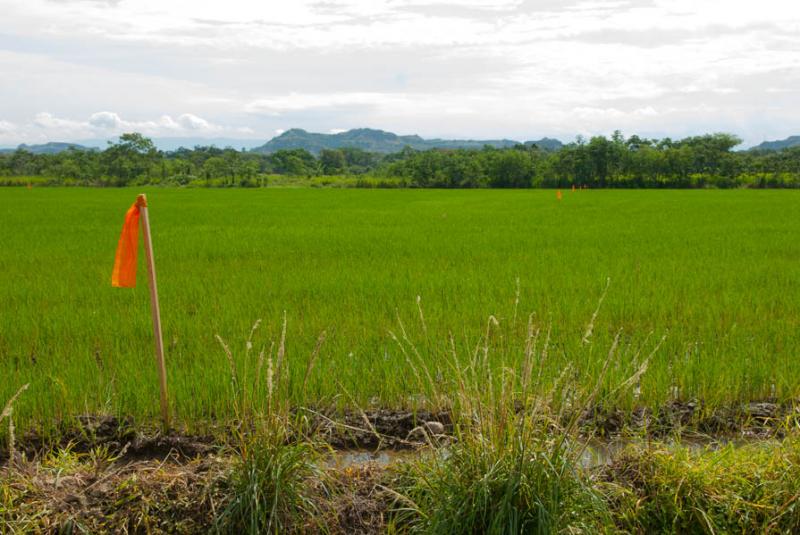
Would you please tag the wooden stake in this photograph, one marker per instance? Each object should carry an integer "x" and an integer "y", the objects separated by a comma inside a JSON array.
[{"x": 141, "y": 201}]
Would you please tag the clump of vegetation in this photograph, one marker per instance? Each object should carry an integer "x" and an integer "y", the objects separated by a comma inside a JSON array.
[
  {"x": 274, "y": 471},
  {"x": 96, "y": 492},
  {"x": 749, "y": 488},
  {"x": 270, "y": 486},
  {"x": 476, "y": 487},
  {"x": 513, "y": 465}
]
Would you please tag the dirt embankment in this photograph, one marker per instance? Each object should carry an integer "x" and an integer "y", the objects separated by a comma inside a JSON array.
[
  {"x": 105, "y": 474},
  {"x": 402, "y": 429}
]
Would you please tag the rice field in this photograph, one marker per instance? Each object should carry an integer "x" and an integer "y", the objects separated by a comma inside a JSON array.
[{"x": 716, "y": 274}]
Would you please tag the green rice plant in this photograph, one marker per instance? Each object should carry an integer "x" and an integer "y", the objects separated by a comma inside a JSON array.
[{"x": 717, "y": 270}]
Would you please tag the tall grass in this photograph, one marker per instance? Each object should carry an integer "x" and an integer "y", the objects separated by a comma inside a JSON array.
[
  {"x": 272, "y": 477},
  {"x": 514, "y": 463}
]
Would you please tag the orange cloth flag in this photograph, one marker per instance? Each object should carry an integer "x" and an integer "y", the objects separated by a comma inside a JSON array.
[
  {"x": 124, "y": 274},
  {"x": 558, "y": 195}
]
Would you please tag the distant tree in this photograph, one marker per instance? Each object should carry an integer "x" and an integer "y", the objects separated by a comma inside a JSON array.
[
  {"x": 510, "y": 169},
  {"x": 332, "y": 161},
  {"x": 131, "y": 157},
  {"x": 293, "y": 162},
  {"x": 215, "y": 167}
]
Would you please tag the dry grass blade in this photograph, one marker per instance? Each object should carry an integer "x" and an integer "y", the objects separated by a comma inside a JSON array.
[
  {"x": 590, "y": 327},
  {"x": 642, "y": 368},
  {"x": 364, "y": 417},
  {"x": 12, "y": 452},
  {"x": 281, "y": 349},
  {"x": 7, "y": 409},
  {"x": 421, "y": 316},
  {"x": 231, "y": 362},
  {"x": 314, "y": 354}
]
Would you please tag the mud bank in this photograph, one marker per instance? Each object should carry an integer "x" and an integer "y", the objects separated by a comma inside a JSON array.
[{"x": 387, "y": 429}]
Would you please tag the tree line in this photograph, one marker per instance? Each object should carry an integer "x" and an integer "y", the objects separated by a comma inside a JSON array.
[{"x": 600, "y": 162}]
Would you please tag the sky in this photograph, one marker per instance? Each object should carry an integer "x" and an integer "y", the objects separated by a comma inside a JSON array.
[{"x": 518, "y": 69}]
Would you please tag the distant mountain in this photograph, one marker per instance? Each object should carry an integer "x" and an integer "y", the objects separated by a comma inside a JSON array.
[
  {"x": 378, "y": 141},
  {"x": 546, "y": 143},
  {"x": 361, "y": 138},
  {"x": 791, "y": 141},
  {"x": 54, "y": 147}
]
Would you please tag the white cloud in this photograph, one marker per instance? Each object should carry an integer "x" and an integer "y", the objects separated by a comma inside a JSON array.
[
  {"x": 49, "y": 121},
  {"x": 47, "y": 126},
  {"x": 6, "y": 127},
  {"x": 473, "y": 68},
  {"x": 105, "y": 120},
  {"x": 294, "y": 102},
  {"x": 193, "y": 122}
]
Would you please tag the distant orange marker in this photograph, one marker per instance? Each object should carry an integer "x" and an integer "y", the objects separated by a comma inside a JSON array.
[{"x": 558, "y": 195}]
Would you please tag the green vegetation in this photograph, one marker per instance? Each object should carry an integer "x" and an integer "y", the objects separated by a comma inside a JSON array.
[
  {"x": 510, "y": 467},
  {"x": 714, "y": 271},
  {"x": 749, "y": 488},
  {"x": 696, "y": 162},
  {"x": 512, "y": 462}
]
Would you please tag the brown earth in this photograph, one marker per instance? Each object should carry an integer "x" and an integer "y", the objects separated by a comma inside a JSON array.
[
  {"x": 399, "y": 429},
  {"x": 105, "y": 474}
]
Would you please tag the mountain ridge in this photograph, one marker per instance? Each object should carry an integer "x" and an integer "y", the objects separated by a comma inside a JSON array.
[
  {"x": 374, "y": 140},
  {"x": 778, "y": 144},
  {"x": 51, "y": 147},
  {"x": 368, "y": 139}
]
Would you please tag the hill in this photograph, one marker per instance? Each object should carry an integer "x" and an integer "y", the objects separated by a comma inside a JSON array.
[
  {"x": 380, "y": 141},
  {"x": 546, "y": 143},
  {"x": 791, "y": 141},
  {"x": 53, "y": 147}
]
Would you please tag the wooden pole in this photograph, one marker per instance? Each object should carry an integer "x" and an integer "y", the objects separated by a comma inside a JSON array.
[{"x": 141, "y": 201}]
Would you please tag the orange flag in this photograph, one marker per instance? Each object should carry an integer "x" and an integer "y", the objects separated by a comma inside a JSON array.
[
  {"x": 558, "y": 195},
  {"x": 124, "y": 274}
]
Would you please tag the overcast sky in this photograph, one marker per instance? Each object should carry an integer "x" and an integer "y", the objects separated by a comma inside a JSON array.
[{"x": 521, "y": 69}]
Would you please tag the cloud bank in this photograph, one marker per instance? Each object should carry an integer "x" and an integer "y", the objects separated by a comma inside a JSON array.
[{"x": 472, "y": 68}]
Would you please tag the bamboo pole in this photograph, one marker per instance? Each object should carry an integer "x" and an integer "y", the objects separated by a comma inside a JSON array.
[{"x": 141, "y": 201}]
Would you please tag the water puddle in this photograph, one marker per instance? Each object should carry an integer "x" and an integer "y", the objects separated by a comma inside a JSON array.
[
  {"x": 599, "y": 453},
  {"x": 356, "y": 458},
  {"x": 596, "y": 453}
]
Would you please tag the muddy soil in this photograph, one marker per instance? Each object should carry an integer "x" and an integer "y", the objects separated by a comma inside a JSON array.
[
  {"x": 146, "y": 481},
  {"x": 379, "y": 429},
  {"x": 387, "y": 429},
  {"x": 757, "y": 419},
  {"x": 82, "y": 495}
]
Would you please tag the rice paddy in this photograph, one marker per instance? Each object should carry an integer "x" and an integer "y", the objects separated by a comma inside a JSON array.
[{"x": 716, "y": 274}]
